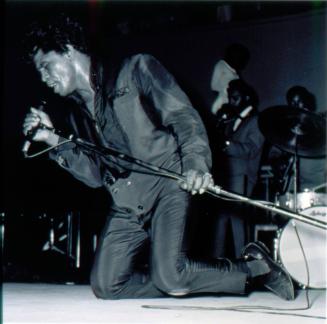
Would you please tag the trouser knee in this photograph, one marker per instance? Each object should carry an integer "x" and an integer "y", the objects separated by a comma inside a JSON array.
[
  {"x": 104, "y": 290},
  {"x": 170, "y": 284}
]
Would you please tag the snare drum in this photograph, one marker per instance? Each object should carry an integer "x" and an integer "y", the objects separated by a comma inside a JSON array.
[
  {"x": 304, "y": 199},
  {"x": 313, "y": 240}
]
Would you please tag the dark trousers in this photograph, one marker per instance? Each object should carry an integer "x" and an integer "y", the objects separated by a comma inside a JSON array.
[
  {"x": 232, "y": 218},
  {"x": 230, "y": 234},
  {"x": 171, "y": 271}
]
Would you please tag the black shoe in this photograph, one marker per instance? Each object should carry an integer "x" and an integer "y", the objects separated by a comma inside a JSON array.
[{"x": 277, "y": 280}]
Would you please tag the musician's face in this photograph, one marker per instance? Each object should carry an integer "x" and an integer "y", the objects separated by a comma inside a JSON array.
[
  {"x": 235, "y": 98},
  {"x": 297, "y": 102},
  {"x": 57, "y": 71}
]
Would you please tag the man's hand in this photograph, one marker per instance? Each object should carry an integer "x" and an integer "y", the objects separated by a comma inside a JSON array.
[
  {"x": 33, "y": 120},
  {"x": 196, "y": 181}
]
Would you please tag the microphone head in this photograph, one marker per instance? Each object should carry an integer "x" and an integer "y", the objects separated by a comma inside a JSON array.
[
  {"x": 30, "y": 134},
  {"x": 26, "y": 147}
]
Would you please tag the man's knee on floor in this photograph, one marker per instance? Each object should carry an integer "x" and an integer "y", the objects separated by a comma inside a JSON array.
[
  {"x": 170, "y": 285},
  {"x": 104, "y": 290},
  {"x": 178, "y": 292}
]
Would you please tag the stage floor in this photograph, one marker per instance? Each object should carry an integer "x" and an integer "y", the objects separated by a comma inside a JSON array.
[{"x": 50, "y": 303}]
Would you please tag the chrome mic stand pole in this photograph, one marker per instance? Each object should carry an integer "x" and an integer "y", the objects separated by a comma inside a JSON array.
[
  {"x": 106, "y": 151},
  {"x": 303, "y": 218},
  {"x": 295, "y": 168}
]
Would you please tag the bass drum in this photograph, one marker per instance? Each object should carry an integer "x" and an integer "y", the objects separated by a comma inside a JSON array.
[{"x": 313, "y": 240}]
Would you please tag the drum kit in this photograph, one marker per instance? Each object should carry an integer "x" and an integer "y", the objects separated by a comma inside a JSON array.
[{"x": 301, "y": 246}]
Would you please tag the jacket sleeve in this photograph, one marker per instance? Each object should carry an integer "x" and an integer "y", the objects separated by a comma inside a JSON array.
[
  {"x": 82, "y": 165},
  {"x": 250, "y": 145},
  {"x": 175, "y": 112}
]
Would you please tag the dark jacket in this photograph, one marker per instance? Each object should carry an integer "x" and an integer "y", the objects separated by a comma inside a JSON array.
[
  {"x": 155, "y": 122},
  {"x": 241, "y": 159}
]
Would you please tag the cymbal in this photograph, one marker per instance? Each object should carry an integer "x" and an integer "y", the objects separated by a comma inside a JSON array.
[{"x": 294, "y": 130}]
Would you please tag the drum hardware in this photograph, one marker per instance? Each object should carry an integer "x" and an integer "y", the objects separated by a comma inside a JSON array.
[
  {"x": 300, "y": 132},
  {"x": 305, "y": 199},
  {"x": 266, "y": 174},
  {"x": 71, "y": 235},
  {"x": 2, "y": 230},
  {"x": 301, "y": 248},
  {"x": 323, "y": 185},
  {"x": 314, "y": 246},
  {"x": 276, "y": 245},
  {"x": 50, "y": 244}
]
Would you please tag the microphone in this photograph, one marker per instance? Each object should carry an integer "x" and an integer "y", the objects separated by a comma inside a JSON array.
[{"x": 31, "y": 132}]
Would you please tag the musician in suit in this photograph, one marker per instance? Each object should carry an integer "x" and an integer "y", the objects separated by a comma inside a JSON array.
[{"x": 237, "y": 162}]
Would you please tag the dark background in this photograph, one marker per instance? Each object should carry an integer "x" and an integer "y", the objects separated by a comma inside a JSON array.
[{"x": 287, "y": 42}]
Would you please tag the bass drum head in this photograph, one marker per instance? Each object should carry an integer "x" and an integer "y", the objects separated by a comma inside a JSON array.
[{"x": 313, "y": 240}]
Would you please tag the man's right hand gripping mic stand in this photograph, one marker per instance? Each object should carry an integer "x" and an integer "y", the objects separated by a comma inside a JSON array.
[{"x": 212, "y": 190}]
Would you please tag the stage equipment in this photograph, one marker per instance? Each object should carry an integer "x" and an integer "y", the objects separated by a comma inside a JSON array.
[
  {"x": 50, "y": 248},
  {"x": 321, "y": 187},
  {"x": 304, "y": 200},
  {"x": 294, "y": 130},
  {"x": 314, "y": 246},
  {"x": 64, "y": 237},
  {"x": 301, "y": 247}
]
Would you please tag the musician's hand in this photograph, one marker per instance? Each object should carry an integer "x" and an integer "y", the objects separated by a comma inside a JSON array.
[
  {"x": 196, "y": 181},
  {"x": 33, "y": 120}
]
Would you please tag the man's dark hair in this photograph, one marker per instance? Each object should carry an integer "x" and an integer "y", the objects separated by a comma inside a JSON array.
[
  {"x": 54, "y": 34},
  {"x": 306, "y": 96},
  {"x": 237, "y": 56}
]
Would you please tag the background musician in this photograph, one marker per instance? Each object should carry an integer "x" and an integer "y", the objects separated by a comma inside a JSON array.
[
  {"x": 311, "y": 169},
  {"x": 237, "y": 161}
]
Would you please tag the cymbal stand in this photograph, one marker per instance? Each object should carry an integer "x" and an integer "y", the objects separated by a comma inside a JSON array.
[
  {"x": 297, "y": 132},
  {"x": 295, "y": 181}
]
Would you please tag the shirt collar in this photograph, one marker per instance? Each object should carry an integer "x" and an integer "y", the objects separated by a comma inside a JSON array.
[{"x": 246, "y": 111}]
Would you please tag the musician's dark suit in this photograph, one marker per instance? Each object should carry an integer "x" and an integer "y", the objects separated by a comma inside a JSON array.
[{"x": 238, "y": 167}]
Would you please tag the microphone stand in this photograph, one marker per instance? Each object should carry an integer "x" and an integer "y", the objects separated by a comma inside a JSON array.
[
  {"x": 213, "y": 190},
  {"x": 296, "y": 174}
]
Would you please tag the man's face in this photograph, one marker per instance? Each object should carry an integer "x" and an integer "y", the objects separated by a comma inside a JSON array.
[
  {"x": 297, "y": 102},
  {"x": 235, "y": 98},
  {"x": 57, "y": 71}
]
